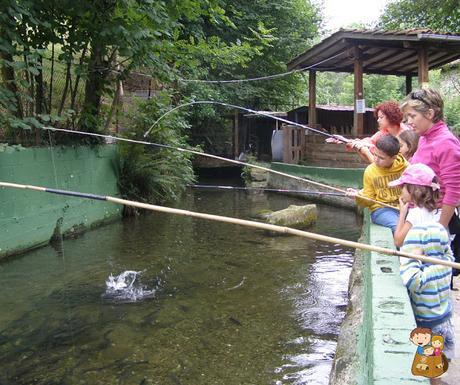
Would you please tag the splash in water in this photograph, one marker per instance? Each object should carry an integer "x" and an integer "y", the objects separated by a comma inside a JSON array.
[{"x": 126, "y": 287}]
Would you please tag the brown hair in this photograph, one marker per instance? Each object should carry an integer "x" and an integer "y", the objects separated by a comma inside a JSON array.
[
  {"x": 423, "y": 100},
  {"x": 388, "y": 144},
  {"x": 411, "y": 139},
  {"x": 420, "y": 331},
  {"x": 424, "y": 196}
]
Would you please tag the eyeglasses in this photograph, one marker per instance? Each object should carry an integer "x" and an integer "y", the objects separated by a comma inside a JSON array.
[{"x": 419, "y": 95}]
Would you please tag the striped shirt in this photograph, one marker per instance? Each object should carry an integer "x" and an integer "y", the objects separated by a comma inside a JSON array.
[{"x": 428, "y": 285}]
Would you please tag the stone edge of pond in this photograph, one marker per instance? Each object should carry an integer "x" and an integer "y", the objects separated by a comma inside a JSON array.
[{"x": 373, "y": 345}]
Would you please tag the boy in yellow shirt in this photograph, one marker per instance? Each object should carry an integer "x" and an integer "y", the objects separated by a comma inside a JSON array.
[{"x": 388, "y": 165}]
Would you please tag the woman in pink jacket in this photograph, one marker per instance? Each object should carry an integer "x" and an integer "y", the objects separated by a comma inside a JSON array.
[{"x": 438, "y": 148}]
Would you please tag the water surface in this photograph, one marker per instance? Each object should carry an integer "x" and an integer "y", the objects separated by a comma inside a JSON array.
[{"x": 233, "y": 305}]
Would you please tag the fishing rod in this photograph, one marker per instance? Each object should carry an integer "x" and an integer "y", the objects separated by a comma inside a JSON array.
[
  {"x": 268, "y": 115},
  {"x": 213, "y": 187},
  {"x": 238, "y": 162},
  {"x": 236, "y": 221}
]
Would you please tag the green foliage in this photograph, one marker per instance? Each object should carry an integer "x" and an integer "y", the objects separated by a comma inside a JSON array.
[
  {"x": 338, "y": 88},
  {"x": 152, "y": 174},
  {"x": 440, "y": 16},
  {"x": 85, "y": 41},
  {"x": 263, "y": 37}
]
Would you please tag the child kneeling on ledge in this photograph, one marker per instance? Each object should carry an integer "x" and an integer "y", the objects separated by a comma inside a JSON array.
[{"x": 388, "y": 165}]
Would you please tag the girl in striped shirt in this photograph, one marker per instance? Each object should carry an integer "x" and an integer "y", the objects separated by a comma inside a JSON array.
[{"x": 428, "y": 285}]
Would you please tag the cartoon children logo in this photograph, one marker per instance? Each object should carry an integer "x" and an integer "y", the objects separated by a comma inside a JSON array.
[{"x": 429, "y": 361}]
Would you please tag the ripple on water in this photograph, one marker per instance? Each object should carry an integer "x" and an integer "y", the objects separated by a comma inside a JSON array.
[{"x": 228, "y": 305}]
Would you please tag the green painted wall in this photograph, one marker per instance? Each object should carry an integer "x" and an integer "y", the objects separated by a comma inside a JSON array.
[
  {"x": 338, "y": 177},
  {"x": 349, "y": 177},
  {"x": 29, "y": 218},
  {"x": 374, "y": 346},
  {"x": 392, "y": 318}
]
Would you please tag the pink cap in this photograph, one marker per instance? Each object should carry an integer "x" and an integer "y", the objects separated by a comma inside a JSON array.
[{"x": 418, "y": 174}]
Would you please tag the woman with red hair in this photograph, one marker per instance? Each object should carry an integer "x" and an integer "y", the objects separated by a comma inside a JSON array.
[{"x": 389, "y": 119}]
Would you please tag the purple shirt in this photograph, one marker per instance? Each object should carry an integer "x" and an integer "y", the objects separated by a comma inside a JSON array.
[{"x": 439, "y": 149}]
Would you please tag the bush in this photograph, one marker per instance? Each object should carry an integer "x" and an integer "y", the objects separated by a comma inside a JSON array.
[{"x": 153, "y": 174}]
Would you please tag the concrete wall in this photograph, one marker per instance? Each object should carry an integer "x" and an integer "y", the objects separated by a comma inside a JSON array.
[
  {"x": 338, "y": 177},
  {"x": 374, "y": 346},
  {"x": 28, "y": 218}
]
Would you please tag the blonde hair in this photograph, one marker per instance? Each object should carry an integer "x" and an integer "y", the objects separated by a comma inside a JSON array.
[
  {"x": 438, "y": 338},
  {"x": 423, "y": 100}
]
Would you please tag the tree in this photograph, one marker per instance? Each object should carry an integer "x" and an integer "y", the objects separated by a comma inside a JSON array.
[
  {"x": 440, "y": 16},
  {"x": 257, "y": 39}
]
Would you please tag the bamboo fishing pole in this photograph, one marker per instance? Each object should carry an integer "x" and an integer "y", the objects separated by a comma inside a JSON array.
[
  {"x": 116, "y": 138},
  {"x": 236, "y": 221}
]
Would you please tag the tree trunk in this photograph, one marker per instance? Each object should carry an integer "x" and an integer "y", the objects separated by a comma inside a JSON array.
[
  {"x": 93, "y": 90},
  {"x": 77, "y": 81},
  {"x": 40, "y": 106},
  {"x": 50, "y": 102},
  {"x": 66, "y": 87}
]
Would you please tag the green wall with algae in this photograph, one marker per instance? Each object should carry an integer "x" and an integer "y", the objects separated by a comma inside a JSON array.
[
  {"x": 373, "y": 346},
  {"x": 28, "y": 218}
]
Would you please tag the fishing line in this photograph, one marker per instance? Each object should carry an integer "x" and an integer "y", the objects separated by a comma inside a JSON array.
[
  {"x": 259, "y": 78},
  {"x": 236, "y": 221},
  {"x": 268, "y": 115},
  {"x": 215, "y": 187},
  {"x": 116, "y": 138},
  {"x": 60, "y": 249}
]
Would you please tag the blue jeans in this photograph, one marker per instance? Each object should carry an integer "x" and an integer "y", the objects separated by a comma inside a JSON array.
[
  {"x": 447, "y": 331},
  {"x": 385, "y": 217}
]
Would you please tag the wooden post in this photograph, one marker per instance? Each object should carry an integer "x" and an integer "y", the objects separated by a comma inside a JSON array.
[
  {"x": 422, "y": 67},
  {"x": 358, "y": 118},
  {"x": 312, "y": 98},
  {"x": 236, "y": 137},
  {"x": 408, "y": 84}
]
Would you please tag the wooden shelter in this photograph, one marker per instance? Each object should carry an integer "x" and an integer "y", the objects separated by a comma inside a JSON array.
[{"x": 406, "y": 53}]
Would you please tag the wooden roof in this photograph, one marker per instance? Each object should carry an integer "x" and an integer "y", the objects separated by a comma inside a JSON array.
[{"x": 383, "y": 52}]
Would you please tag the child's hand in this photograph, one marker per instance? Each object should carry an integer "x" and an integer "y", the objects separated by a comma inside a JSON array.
[
  {"x": 403, "y": 207},
  {"x": 355, "y": 144},
  {"x": 352, "y": 193}
]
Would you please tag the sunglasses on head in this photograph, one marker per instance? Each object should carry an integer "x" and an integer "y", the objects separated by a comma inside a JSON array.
[{"x": 419, "y": 95}]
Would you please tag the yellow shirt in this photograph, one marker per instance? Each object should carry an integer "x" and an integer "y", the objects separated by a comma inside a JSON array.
[{"x": 375, "y": 184}]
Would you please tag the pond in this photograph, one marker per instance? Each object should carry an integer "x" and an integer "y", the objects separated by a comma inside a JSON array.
[{"x": 230, "y": 304}]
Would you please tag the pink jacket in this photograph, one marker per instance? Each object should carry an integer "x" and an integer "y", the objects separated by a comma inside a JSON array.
[{"x": 440, "y": 149}]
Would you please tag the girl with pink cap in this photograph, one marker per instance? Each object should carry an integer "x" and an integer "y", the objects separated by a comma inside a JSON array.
[{"x": 420, "y": 188}]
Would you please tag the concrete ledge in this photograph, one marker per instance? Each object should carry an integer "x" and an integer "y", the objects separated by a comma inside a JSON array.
[
  {"x": 381, "y": 318},
  {"x": 392, "y": 316},
  {"x": 350, "y": 177},
  {"x": 338, "y": 177}
]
